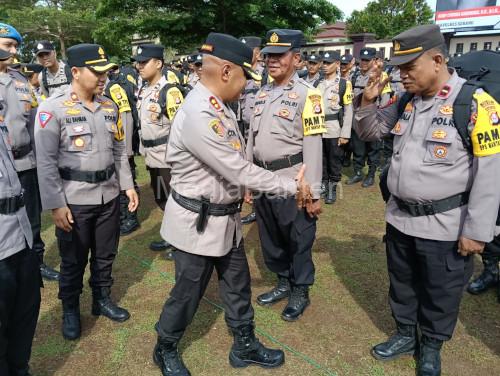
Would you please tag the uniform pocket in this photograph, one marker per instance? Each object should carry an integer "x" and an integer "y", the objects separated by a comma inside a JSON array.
[
  {"x": 110, "y": 136},
  {"x": 455, "y": 261},
  {"x": 283, "y": 121},
  {"x": 440, "y": 145},
  {"x": 80, "y": 137}
]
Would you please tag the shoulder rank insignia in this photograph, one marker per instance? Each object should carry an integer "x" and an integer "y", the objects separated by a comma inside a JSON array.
[{"x": 215, "y": 104}]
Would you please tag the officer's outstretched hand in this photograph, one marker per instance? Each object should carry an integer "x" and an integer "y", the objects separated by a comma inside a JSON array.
[
  {"x": 304, "y": 195},
  {"x": 133, "y": 199},
  {"x": 63, "y": 218},
  {"x": 468, "y": 246},
  {"x": 375, "y": 84}
]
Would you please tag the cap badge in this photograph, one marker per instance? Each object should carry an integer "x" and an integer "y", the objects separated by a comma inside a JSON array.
[
  {"x": 243, "y": 40},
  {"x": 39, "y": 46},
  {"x": 313, "y": 56},
  {"x": 4, "y": 31},
  {"x": 326, "y": 55},
  {"x": 139, "y": 51},
  {"x": 100, "y": 51},
  {"x": 397, "y": 46},
  {"x": 274, "y": 38},
  {"x": 365, "y": 52}
]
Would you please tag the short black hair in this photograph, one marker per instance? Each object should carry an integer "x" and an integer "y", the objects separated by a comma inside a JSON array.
[{"x": 441, "y": 49}]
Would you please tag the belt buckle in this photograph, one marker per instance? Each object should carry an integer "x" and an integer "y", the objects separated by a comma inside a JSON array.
[{"x": 428, "y": 208}]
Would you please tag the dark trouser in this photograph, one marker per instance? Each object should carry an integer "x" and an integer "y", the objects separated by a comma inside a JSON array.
[
  {"x": 363, "y": 150},
  {"x": 33, "y": 203},
  {"x": 427, "y": 279},
  {"x": 192, "y": 274},
  {"x": 20, "y": 283},
  {"x": 492, "y": 250},
  {"x": 96, "y": 228},
  {"x": 160, "y": 183},
  {"x": 287, "y": 236},
  {"x": 332, "y": 160}
]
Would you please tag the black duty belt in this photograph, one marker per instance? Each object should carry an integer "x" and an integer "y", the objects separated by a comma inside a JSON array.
[
  {"x": 88, "y": 176},
  {"x": 282, "y": 163},
  {"x": 21, "y": 151},
  {"x": 331, "y": 117},
  {"x": 204, "y": 208},
  {"x": 11, "y": 205},
  {"x": 157, "y": 142},
  {"x": 432, "y": 207},
  {"x": 52, "y": 86}
]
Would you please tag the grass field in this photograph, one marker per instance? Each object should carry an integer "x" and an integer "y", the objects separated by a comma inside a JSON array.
[{"x": 349, "y": 311}]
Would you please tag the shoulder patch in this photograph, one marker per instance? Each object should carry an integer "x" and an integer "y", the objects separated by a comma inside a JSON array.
[
  {"x": 44, "y": 117},
  {"x": 216, "y": 126},
  {"x": 486, "y": 132},
  {"x": 313, "y": 116}
]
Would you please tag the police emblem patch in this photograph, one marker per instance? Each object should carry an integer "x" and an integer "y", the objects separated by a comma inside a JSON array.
[
  {"x": 78, "y": 142},
  {"x": 446, "y": 110},
  {"x": 440, "y": 152},
  {"x": 44, "y": 118},
  {"x": 494, "y": 119},
  {"x": 284, "y": 113},
  {"x": 216, "y": 126}
]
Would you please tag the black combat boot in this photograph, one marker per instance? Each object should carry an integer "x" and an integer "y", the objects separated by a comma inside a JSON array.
[
  {"x": 159, "y": 245},
  {"x": 247, "y": 350},
  {"x": 297, "y": 304},
  {"x": 48, "y": 273},
  {"x": 487, "y": 279},
  {"x": 103, "y": 305},
  {"x": 356, "y": 178},
  {"x": 324, "y": 188},
  {"x": 167, "y": 358},
  {"x": 331, "y": 195},
  {"x": 429, "y": 357},
  {"x": 370, "y": 178},
  {"x": 247, "y": 219},
  {"x": 280, "y": 292},
  {"x": 404, "y": 342},
  {"x": 71, "y": 326},
  {"x": 128, "y": 220}
]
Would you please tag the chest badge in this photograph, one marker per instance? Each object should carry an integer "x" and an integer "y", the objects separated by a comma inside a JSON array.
[
  {"x": 79, "y": 143},
  {"x": 440, "y": 152},
  {"x": 439, "y": 134},
  {"x": 293, "y": 95},
  {"x": 446, "y": 110}
]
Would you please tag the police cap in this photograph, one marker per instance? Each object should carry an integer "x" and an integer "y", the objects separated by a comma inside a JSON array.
[
  {"x": 412, "y": 43},
  {"x": 90, "y": 56},
  {"x": 346, "y": 59},
  {"x": 331, "y": 56},
  {"x": 313, "y": 58},
  {"x": 252, "y": 42},
  {"x": 29, "y": 69},
  {"x": 198, "y": 60},
  {"x": 279, "y": 41},
  {"x": 229, "y": 48},
  {"x": 43, "y": 46},
  {"x": 368, "y": 53},
  {"x": 147, "y": 52},
  {"x": 8, "y": 31}
]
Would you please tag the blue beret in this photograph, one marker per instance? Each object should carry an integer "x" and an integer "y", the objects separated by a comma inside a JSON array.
[{"x": 7, "y": 31}]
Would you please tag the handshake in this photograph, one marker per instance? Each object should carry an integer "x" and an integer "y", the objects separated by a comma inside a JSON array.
[{"x": 303, "y": 196}]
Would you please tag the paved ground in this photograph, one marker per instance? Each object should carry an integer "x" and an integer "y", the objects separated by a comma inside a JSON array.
[{"x": 348, "y": 315}]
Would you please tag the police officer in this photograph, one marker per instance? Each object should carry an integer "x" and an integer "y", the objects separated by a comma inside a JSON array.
[
  {"x": 157, "y": 104},
  {"x": 337, "y": 101},
  {"x": 313, "y": 70},
  {"x": 120, "y": 89},
  {"x": 82, "y": 167},
  {"x": 31, "y": 72},
  {"x": 19, "y": 265},
  {"x": 56, "y": 75},
  {"x": 247, "y": 100},
  {"x": 347, "y": 69},
  {"x": 286, "y": 130},
  {"x": 444, "y": 200},
  {"x": 20, "y": 104},
  {"x": 195, "y": 65},
  {"x": 209, "y": 176},
  {"x": 366, "y": 150}
]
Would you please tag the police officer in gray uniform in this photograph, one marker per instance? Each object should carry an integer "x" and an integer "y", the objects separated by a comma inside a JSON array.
[
  {"x": 314, "y": 64},
  {"x": 19, "y": 274},
  {"x": 56, "y": 75},
  {"x": 202, "y": 220},
  {"x": 444, "y": 199},
  {"x": 20, "y": 106},
  {"x": 285, "y": 131},
  {"x": 82, "y": 167}
]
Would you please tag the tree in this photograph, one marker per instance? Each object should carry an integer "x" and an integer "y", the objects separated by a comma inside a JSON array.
[
  {"x": 386, "y": 18},
  {"x": 183, "y": 24},
  {"x": 64, "y": 22}
]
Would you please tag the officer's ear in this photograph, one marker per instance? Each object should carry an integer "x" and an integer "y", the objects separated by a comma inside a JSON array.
[
  {"x": 296, "y": 57},
  {"x": 75, "y": 72},
  {"x": 226, "y": 72}
]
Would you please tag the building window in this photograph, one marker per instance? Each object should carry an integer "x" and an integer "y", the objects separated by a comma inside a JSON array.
[
  {"x": 460, "y": 48},
  {"x": 473, "y": 46},
  {"x": 487, "y": 46},
  {"x": 382, "y": 52},
  {"x": 348, "y": 51}
]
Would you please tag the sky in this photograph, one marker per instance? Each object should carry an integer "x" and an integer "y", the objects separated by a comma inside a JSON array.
[{"x": 347, "y": 6}]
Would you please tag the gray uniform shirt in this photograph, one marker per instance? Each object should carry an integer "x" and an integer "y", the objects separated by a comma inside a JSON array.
[
  {"x": 18, "y": 99},
  {"x": 15, "y": 229},
  {"x": 277, "y": 128},
  {"x": 70, "y": 135},
  {"x": 430, "y": 163},
  {"x": 332, "y": 102},
  {"x": 57, "y": 82},
  {"x": 207, "y": 155}
]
